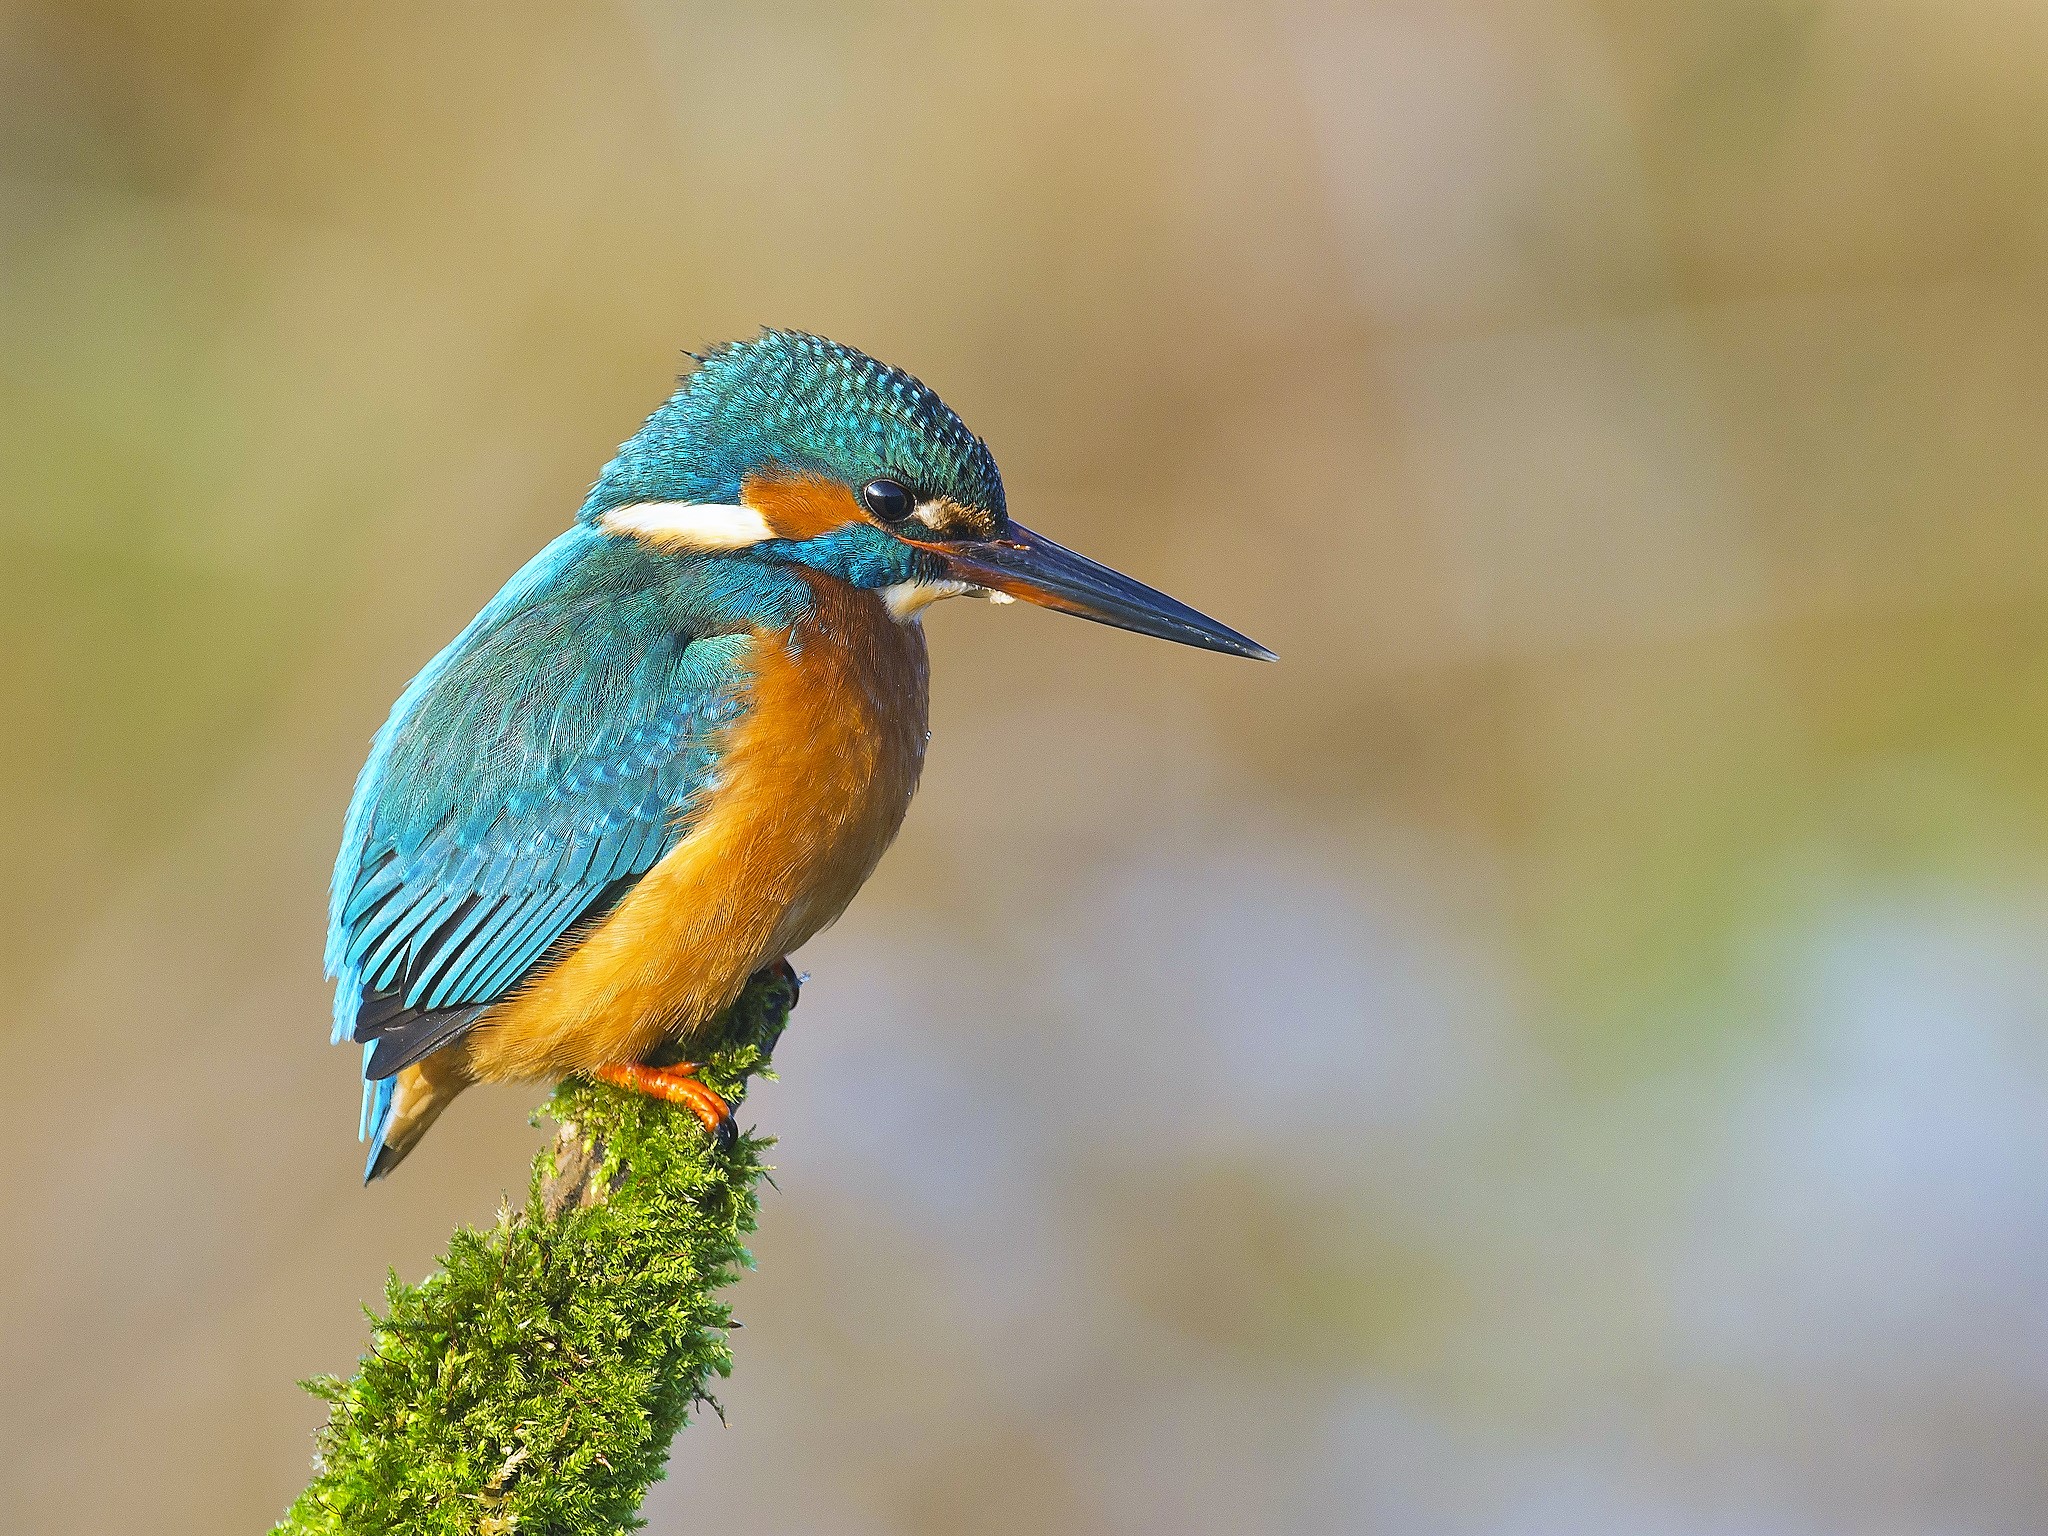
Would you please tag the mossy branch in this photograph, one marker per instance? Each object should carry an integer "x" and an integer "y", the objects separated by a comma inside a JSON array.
[{"x": 534, "y": 1382}]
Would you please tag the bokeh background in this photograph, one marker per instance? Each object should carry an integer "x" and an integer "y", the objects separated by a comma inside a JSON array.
[{"x": 1565, "y": 1051}]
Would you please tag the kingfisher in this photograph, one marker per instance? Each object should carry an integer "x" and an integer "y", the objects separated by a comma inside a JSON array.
[{"x": 679, "y": 740}]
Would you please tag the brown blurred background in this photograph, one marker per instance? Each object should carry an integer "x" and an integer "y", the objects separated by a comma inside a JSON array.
[{"x": 1565, "y": 1051}]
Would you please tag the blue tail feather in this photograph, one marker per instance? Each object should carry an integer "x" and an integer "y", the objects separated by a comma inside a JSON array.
[{"x": 378, "y": 1100}]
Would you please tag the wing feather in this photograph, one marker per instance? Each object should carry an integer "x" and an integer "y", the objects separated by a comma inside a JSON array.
[{"x": 538, "y": 767}]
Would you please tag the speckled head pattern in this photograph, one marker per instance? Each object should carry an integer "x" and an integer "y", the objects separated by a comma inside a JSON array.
[{"x": 790, "y": 404}]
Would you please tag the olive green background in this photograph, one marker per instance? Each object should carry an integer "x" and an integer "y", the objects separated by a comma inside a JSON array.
[{"x": 1564, "y": 1051}]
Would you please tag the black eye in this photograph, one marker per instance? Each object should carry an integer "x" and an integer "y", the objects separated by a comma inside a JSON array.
[{"x": 888, "y": 500}]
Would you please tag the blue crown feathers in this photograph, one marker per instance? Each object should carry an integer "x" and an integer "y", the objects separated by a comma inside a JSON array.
[{"x": 790, "y": 403}]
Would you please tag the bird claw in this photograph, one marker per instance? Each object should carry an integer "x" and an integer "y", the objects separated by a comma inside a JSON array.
[{"x": 677, "y": 1084}]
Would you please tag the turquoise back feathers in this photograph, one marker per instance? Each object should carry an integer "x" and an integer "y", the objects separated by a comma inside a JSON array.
[
  {"x": 558, "y": 745},
  {"x": 790, "y": 403}
]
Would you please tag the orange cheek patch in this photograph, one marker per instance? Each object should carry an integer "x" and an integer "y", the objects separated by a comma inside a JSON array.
[{"x": 801, "y": 508}]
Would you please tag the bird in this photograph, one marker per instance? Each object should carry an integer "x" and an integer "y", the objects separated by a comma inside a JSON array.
[{"x": 676, "y": 743}]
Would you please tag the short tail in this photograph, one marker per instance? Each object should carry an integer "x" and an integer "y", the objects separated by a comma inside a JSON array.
[{"x": 397, "y": 1110}]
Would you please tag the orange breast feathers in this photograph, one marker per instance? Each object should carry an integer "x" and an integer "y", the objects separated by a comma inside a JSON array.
[{"x": 813, "y": 785}]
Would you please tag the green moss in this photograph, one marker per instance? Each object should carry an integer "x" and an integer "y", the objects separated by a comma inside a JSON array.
[{"x": 535, "y": 1381}]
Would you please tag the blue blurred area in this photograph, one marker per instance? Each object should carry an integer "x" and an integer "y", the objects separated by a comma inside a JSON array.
[{"x": 1564, "y": 1051}]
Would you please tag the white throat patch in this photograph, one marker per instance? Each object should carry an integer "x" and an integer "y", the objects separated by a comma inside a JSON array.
[
  {"x": 689, "y": 524},
  {"x": 907, "y": 599}
]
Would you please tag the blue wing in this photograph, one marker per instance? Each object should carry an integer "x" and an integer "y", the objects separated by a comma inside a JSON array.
[{"x": 528, "y": 776}]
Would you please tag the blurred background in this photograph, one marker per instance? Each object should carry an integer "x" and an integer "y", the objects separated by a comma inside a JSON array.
[{"x": 1565, "y": 1051}]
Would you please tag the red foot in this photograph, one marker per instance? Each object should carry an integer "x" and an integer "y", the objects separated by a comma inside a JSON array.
[{"x": 674, "y": 1085}]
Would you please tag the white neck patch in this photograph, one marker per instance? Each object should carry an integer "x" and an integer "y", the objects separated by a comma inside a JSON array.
[{"x": 689, "y": 524}]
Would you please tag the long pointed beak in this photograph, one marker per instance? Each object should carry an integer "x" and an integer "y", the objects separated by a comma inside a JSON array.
[{"x": 1028, "y": 565}]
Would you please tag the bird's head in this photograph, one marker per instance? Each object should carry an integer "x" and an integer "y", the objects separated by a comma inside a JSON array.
[{"x": 796, "y": 449}]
